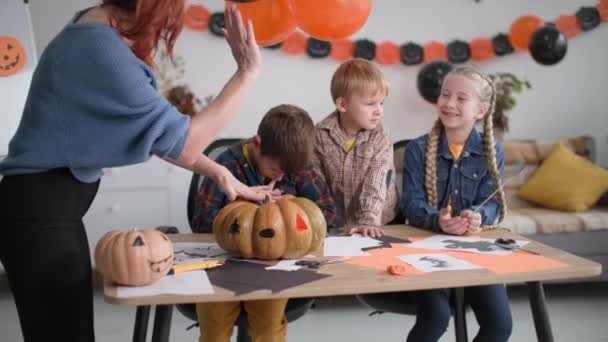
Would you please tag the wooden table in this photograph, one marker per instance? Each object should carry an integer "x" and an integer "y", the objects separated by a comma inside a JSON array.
[{"x": 348, "y": 279}]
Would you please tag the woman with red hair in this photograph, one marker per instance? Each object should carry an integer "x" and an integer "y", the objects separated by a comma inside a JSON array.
[{"x": 92, "y": 104}]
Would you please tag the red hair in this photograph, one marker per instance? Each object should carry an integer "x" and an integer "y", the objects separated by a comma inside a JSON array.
[{"x": 150, "y": 22}]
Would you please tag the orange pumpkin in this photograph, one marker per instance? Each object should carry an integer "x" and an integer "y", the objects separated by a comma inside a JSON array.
[
  {"x": 288, "y": 228},
  {"x": 134, "y": 257},
  {"x": 12, "y": 56}
]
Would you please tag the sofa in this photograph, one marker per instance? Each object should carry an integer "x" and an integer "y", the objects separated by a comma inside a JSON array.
[{"x": 581, "y": 233}]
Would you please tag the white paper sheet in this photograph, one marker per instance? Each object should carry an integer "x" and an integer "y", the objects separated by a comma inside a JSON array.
[
  {"x": 465, "y": 244},
  {"x": 187, "y": 283},
  {"x": 437, "y": 262},
  {"x": 348, "y": 245},
  {"x": 285, "y": 265},
  {"x": 189, "y": 251}
]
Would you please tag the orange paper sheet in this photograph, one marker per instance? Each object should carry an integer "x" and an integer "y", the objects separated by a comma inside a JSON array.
[{"x": 518, "y": 261}]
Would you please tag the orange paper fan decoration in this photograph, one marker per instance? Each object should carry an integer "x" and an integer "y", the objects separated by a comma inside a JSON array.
[
  {"x": 568, "y": 25},
  {"x": 295, "y": 44},
  {"x": 388, "y": 53},
  {"x": 197, "y": 18},
  {"x": 434, "y": 51},
  {"x": 342, "y": 49},
  {"x": 482, "y": 49}
]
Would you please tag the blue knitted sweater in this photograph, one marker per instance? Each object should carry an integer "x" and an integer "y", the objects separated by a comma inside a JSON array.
[{"x": 92, "y": 104}]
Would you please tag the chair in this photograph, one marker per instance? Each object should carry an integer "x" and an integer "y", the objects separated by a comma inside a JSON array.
[
  {"x": 404, "y": 302},
  {"x": 296, "y": 307}
]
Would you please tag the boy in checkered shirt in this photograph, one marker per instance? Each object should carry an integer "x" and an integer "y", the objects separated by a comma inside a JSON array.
[{"x": 354, "y": 152}]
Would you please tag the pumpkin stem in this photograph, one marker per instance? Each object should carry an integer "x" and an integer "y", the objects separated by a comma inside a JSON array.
[{"x": 266, "y": 199}]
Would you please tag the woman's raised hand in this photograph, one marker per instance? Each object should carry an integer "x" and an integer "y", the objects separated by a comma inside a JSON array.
[{"x": 241, "y": 40}]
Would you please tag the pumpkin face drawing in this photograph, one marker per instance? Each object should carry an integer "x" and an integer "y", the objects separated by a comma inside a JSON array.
[
  {"x": 12, "y": 56},
  {"x": 288, "y": 228},
  {"x": 135, "y": 257}
]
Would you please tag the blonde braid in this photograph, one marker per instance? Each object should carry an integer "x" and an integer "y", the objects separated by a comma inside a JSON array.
[
  {"x": 430, "y": 169},
  {"x": 490, "y": 148}
]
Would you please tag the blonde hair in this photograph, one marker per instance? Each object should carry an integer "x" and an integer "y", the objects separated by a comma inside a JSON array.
[
  {"x": 487, "y": 95},
  {"x": 357, "y": 75}
]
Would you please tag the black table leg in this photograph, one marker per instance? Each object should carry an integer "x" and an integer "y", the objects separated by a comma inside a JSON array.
[
  {"x": 141, "y": 323},
  {"x": 460, "y": 320},
  {"x": 539, "y": 312},
  {"x": 162, "y": 323}
]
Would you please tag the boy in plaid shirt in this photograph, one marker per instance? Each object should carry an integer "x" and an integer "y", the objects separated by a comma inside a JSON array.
[
  {"x": 276, "y": 158},
  {"x": 354, "y": 152}
]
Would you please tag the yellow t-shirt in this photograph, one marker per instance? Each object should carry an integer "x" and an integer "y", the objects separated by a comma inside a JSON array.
[
  {"x": 456, "y": 151},
  {"x": 348, "y": 144}
]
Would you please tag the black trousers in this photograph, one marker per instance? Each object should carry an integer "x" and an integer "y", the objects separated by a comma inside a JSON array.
[{"x": 44, "y": 250}]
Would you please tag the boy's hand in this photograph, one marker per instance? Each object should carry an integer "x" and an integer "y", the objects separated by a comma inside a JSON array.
[
  {"x": 451, "y": 225},
  {"x": 365, "y": 230},
  {"x": 473, "y": 221}
]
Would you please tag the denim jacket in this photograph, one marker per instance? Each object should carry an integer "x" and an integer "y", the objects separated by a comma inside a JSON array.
[{"x": 466, "y": 179}]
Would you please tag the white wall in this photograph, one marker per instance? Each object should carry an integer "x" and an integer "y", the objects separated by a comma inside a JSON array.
[{"x": 567, "y": 99}]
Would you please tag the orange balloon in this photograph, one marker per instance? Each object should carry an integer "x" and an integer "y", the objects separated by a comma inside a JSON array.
[
  {"x": 273, "y": 20},
  {"x": 12, "y": 56},
  {"x": 522, "y": 29},
  {"x": 331, "y": 19}
]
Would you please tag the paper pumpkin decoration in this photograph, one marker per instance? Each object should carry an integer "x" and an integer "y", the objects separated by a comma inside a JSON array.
[
  {"x": 458, "y": 51},
  {"x": 388, "y": 53},
  {"x": 197, "y": 18},
  {"x": 588, "y": 17},
  {"x": 430, "y": 78},
  {"x": 295, "y": 44},
  {"x": 502, "y": 45},
  {"x": 411, "y": 54},
  {"x": 273, "y": 20},
  {"x": 568, "y": 25},
  {"x": 134, "y": 257},
  {"x": 548, "y": 45},
  {"x": 12, "y": 56},
  {"x": 317, "y": 48},
  {"x": 331, "y": 19},
  {"x": 434, "y": 51},
  {"x": 216, "y": 24},
  {"x": 482, "y": 49},
  {"x": 365, "y": 48},
  {"x": 602, "y": 9},
  {"x": 288, "y": 228},
  {"x": 342, "y": 50},
  {"x": 522, "y": 29}
]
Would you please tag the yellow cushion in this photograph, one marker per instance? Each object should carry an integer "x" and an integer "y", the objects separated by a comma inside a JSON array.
[{"x": 566, "y": 181}]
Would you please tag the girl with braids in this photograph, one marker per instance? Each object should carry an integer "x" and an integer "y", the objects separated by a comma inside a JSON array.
[
  {"x": 93, "y": 104},
  {"x": 447, "y": 173}
]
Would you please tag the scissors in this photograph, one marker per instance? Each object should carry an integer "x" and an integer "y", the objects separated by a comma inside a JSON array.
[{"x": 511, "y": 245}]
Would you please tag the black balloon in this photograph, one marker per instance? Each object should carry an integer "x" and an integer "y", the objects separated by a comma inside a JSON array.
[
  {"x": 411, "y": 53},
  {"x": 216, "y": 23},
  {"x": 317, "y": 48},
  {"x": 365, "y": 48},
  {"x": 458, "y": 51},
  {"x": 588, "y": 18},
  {"x": 501, "y": 44},
  {"x": 430, "y": 79},
  {"x": 548, "y": 45}
]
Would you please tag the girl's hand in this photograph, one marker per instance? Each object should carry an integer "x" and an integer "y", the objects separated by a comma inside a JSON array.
[
  {"x": 365, "y": 230},
  {"x": 473, "y": 221},
  {"x": 451, "y": 225},
  {"x": 241, "y": 40}
]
